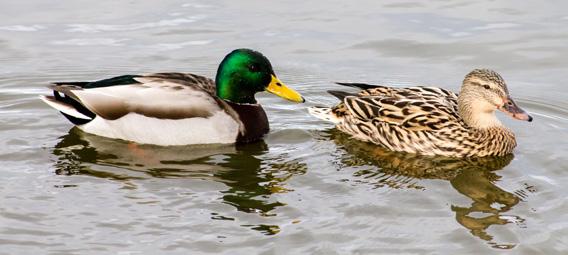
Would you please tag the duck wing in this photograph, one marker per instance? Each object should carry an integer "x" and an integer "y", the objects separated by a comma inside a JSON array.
[
  {"x": 159, "y": 95},
  {"x": 410, "y": 113},
  {"x": 428, "y": 93}
]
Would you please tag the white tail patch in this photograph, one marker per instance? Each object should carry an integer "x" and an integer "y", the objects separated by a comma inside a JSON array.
[
  {"x": 323, "y": 113},
  {"x": 64, "y": 108}
]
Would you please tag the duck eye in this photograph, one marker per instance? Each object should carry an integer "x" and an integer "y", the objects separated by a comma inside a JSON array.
[
  {"x": 486, "y": 86},
  {"x": 253, "y": 68}
]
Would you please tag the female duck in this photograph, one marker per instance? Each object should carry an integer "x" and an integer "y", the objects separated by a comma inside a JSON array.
[
  {"x": 430, "y": 120},
  {"x": 176, "y": 108}
]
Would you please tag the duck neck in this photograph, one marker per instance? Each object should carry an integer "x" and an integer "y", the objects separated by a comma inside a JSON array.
[
  {"x": 476, "y": 112},
  {"x": 234, "y": 93}
]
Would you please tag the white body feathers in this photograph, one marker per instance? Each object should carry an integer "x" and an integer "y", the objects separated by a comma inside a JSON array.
[
  {"x": 219, "y": 128},
  {"x": 161, "y": 109}
]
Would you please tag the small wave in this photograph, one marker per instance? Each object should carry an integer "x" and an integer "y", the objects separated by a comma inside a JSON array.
[
  {"x": 22, "y": 28},
  {"x": 96, "y": 28},
  {"x": 91, "y": 42}
]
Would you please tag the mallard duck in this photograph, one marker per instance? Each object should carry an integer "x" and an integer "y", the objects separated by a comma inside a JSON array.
[
  {"x": 176, "y": 108},
  {"x": 430, "y": 120}
]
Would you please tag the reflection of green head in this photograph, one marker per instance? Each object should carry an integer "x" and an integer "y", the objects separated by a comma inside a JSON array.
[{"x": 241, "y": 74}]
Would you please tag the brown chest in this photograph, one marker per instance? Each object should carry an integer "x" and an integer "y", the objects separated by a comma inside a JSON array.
[{"x": 254, "y": 120}]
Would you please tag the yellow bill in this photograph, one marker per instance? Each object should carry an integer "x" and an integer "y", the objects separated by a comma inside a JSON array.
[{"x": 278, "y": 88}]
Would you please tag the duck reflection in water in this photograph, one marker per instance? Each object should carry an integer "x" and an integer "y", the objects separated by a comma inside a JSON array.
[
  {"x": 250, "y": 174},
  {"x": 472, "y": 177}
]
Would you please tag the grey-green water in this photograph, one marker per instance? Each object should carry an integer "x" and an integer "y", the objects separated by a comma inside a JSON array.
[{"x": 306, "y": 189}]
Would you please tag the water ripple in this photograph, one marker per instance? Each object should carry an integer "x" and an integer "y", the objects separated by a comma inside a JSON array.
[
  {"x": 23, "y": 28},
  {"x": 98, "y": 28}
]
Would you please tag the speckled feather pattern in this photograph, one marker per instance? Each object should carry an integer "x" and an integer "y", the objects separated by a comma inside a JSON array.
[{"x": 423, "y": 120}]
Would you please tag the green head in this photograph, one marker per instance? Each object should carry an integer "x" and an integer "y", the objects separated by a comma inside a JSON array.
[{"x": 244, "y": 72}]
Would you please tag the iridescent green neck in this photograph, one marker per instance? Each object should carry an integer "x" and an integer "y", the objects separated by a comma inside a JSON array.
[{"x": 228, "y": 89}]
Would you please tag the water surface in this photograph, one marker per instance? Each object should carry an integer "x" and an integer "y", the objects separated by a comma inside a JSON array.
[{"x": 306, "y": 188}]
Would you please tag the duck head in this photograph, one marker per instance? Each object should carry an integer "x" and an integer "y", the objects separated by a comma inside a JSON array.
[
  {"x": 483, "y": 91},
  {"x": 244, "y": 72}
]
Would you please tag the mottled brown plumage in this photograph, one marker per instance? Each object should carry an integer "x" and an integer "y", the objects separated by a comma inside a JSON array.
[{"x": 430, "y": 120}]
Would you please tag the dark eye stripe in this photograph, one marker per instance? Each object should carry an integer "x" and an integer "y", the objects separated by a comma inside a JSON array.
[{"x": 481, "y": 85}]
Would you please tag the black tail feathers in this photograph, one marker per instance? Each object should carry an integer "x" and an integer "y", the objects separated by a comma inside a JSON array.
[
  {"x": 340, "y": 94},
  {"x": 358, "y": 85}
]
